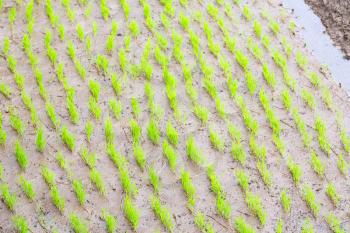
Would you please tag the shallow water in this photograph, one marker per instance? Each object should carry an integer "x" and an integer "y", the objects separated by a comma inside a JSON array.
[{"x": 319, "y": 42}]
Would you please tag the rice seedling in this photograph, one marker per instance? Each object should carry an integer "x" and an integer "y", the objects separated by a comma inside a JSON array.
[
  {"x": 134, "y": 28},
  {"x": 286, "y": 99},
  {"x": 274, "y": 26},
  {"x": 216, "y": 140},
  {"x": 5, "y": 90},
  {"x": 57, "y": 199},
  {"x": 247, "y": 12},
  {"x": 314, "y": 79},
  {"x": 109, "y": 131},
  {"x": 98, "y": 181},
  {"x": 95, "y": 88},
  {"x": 68, "y": 138},
  {"x": 126, "y": 8},
  {"x": 238, "y": 153},
  {"x": 79, "y": 191},
  {"x": 1, "y": 172},
  {"x": 89, "y": 130},
  {"x": 131, "y": 212},
  {"x": 165, "y": 21},
  {"x": 332, "y": 194},
  {"x": 88, "y": 158},
  {"x": 12, "y": 64},
  {"x": 322, "y": 136},
  {"x": 295, "y": 170},
  {"x": 188, "y": 188},
  {"x": 216, "y": 186},
  {"x": 193, "y": 151},
  {"x": 327, "y": 97},
  {"x": 308, "y": 98},
  {"x": 8, "y": 198},
  {"x": 111, "y": 221},
  {"x": 16, "y": 122},
  {"x": 12, "y": 15},
  {"x": 21, "y": 155},
  {"x": 20, "y": 223},
  {"x": 286, "y": 201},
  {"x": 258, "y": 151},
  {"x": 242, "y": 227},
  {"x": 223, "y": 207},
  {"x": 279, "y": 143},
  {"x": 279, "y": 226},
  {"x": 301, "y": 60},
  {"x": 61, "y": 32},
  {"x": 242, "y": 59},
  {"x": 184, "y": 21},
  {"x": 172, "y": 134},
  {"x": 266, "y": 41},
  {"x": 264, "y": 173},
  {"x": 135, "y": 131},
  {"x": 202, "y": 113},
  {"x": 6, "y": 46},
  {"x": 135, "y": 107},
  {"x": 255, "y": 50},
  {"x": 345, "y": 139},
  {"x": 77, "y": 224},
  {"x": 153, "y": 131},
  {"x": 102, "y": 64},
  {"x": 307, "y": 226},
  {"x": 202, "y": 223},
  {"x": 40, "y": 140},
  {"x": 162, "y": 213},
  {"x": 116, "y": 84},
  {"x": 243, "y": 180},
  {"x": 251, "y": 82},
  {"x": 255, "y": 205},
  {"x": 170, "y": 154},
  {"x": 139, "y": 155},
  {"x": 301, "y": 127},
  {"x": 27, "y": 187},
  {"x": 257, "y": 28},
  {"x": 269, "y": 76},
  {"x": 72, "y": 110},
  {"x": 95, "y": 108},
  {"x": 317, "y": 164},
  {"x": 309, "y": 197},
  {"x": 62, "y": 162},
  {"x": 80, "y": 32},
  {"x": 154, "y": 179},
  {"x": 342, "y": 165},
  {"x": 334, "y": 223},
  {"x": 49, "y": 176}
]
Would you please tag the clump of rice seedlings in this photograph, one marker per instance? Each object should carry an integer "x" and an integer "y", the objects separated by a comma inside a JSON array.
[
  {"x": 72, "y": 110},
  {"x": 247, "y": 12},
  {"x": 68, "y": 138},
  {"x": 292, "y": 26},
  {"x": 286, "y": 201},
  {"x": 61, "y": 32},
  {"x": 216, "y": 186},
  {"x": 287, "y": 47},
  {"x": 8, "y": 198},
  {"x": 153, "y": 132},
  {"x": 309, "y": 197},
  {"x": 80, "y": 32},
  {"x": 286, "y": 99},
  {"x": 327, "y": 97},
  {"x": 220, "y": 107},
  {"x": 57, "y": 199},
  {"x": 131, "y": 212},
  {"x": 170, "y": 154},
  {"x": 3, "y": 135},
  {"x": 102, "y": 64},
  {"x": 116, "y": 84},
  {"x": 162, "y": 41},
  {"x": 242, "y": 59},
  {"x": 12, "y": 15},
  {"x": 223, "y": 207},
  {"x": 202, "y": 113},
  {"x": 89, "y": 130},
  {"x": 12, "y": 64},
  {"x": 314, "y": 79},
  {"x": 255, "y": 205},
  {"x": 255, "y": 50},
  {"x": 94, "y": 88},
  {"x": 274, "y": 26},
  {"x": 162, "y": 213},
  {"x": 279, "y": 226},
  {"x": 79, "y": 191},
  {"x": 111, "y": 221},
  {"x": 243, "y": 180},
  {"x": 95, "y": 108},
  {"x": 257, "y": 28},
  {"x": 88, "y": 158},
  {"x": 5, "y": 90},
  {"x": 332, "y": 193},
  {"x": 256, "y": 150},
  {"x": 188, "y": 188},
  {"x": 184, "y": 21},
  {"x": 62, "y": 162},
  {"x": 135, "y": 107},
  {"x": 301, "y": 127},
  {"x": 51, "y": 112},
  {"x": 317, "y": 164},
  {"x": 322, "y": 136},
  {"x": 123, "y": 60},
  {"x": 295, "y": 170},
  {"x": 279, "y": 143},
  {"x": 216, "y": 140},
  {"x": 49, "y": 176},
  {"x": 40, "y": 140},
  {"x": 97, "y": 180},
  {"x": 21, "y": 155},
  {"x": 20, "y": 224},
  {"x": 242, "y": 227},
  {"x": 1, "y": 171},
  {"x": 6, "y": 46},
  {"x": 77, "y": 224},
  {"x": 165, "y": 21},
  {"x": 345, "y": 139},
  {"x": 266, "y": 41},
  {"x": 139, "y": 155},
  {"x": 134, "y": 28},
  {"x": 334, "y": 223},
  {"x": 109, "y": 131},
  {"x": 154, "y": 179},
  {"x": 193, "y": 152},
  {"x": 16, "y": 122},
  {"x": 269, "y": 76},
  {"x": 342, "y": 165},
  {"x": 251, "y": 82},
  {"x": 308, "y": 98},
  {"x": 115, "y": 107},
  {"x": 238, "y": 153},
  {"x": 234, "y": 132},
  {"x": 307, "y": 226},
  {"x": 27, "y": 187},
  {"x": 172, "y": 134},
  {"x": 301, "y": 60},
  {"x": 264, "y": 173},
  {"x": 202, "y": 223},
  {"x": 135, "y": 131},
  {"x": 110, "y": 44}
]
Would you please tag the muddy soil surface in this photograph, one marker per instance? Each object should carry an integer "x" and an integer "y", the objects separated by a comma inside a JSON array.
[{"x": 335, "y": 15}]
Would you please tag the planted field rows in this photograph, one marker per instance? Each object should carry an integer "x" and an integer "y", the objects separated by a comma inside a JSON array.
[{"x": 167, "y": 116}]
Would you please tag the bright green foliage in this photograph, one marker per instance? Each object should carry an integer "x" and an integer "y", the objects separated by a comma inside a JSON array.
[
  {"x": 188, "y": 188},
  {"x": 110, "y": 44},
  {"x": 154, "y": 179},
  {"x": 95, "y": 108},
  {"x": 40, "y": 140},
  {"x": 89, "y": 130},
  {"x": 242, "y": 59},
  {"x": 314, "y": 79},
  {"x": 279, "y": 226},
  {"x": 139, "y": 155},
  {"x": 309, "y": 197},
  {"x": 266, "y": 41},
  {"x": 21, "y": 155},
  {"x": 170, "y": 154},
  {"x": 202, "y": 224},
  {"x": 165, "y": 21},
  {"x": 79, "y": 191},
  {"x": 135, "y": 130},
  {"x": 202, "y": 113},
  {"x": 327, "y": 97},
  {"x": 257, "y": 28},
  {"x": 72, "y": 110},
  {"x": 1, "y": 171},
  {"x": 62, "y": 162},
  {"x": 95, "y": 88},
  {"x": 51, "y": 112},
  {"x": 251, "y": 82},
  {"x": 134, "y": 28},
  {"x": 286, "y": 201},
  {"x": 88, "y": 158},
  {"x": 184, "y": 21},
  {"x": 49, "y": 176},
  {"x": 264, "y": 172},
  {"x": 255, "y": 205},
  {"x": 308, "y": 98},
  {"x": 216, "y": 140},
  {"x": 258, "y": 151},
  {"x": 111, "y": 221},
  {"x": 342, "y": 165},
  {"x": 234, "y": 132},
  {"x": 307, "y": 226},
  {"x": 61, "y": 32},
  {"x": 274, "y": 26},
  {"x": 109, "y": 131},
  {"x": 12, "y": 15},
  {"x": 243, "y": 180},
  {"x": 20, "y": 224},
  {"x": 102, "y": 63},
  {"x": 3, "y": 135},
  {"x": 68, "y": 138},
  {"x": 193, "y": 151},
  {"x": 172, "y": 134},
  {"x": 295, "y": 170},
  {"x": 135, "y": 107},
  {"x": 116, "y": 108},
  {"x": 162, "y": 41},
  {"x": 242, "y": 227},
  {"x": 332, "y": 193},
  {"x": 162, "y": 213},
  {"x": 123, "y": 60},
  {"x": 269, "y": 76},
  {"x": 97, "y": 180},
  {"x": 77, "y": 224},
  {"x": 317, "y": 164},
  {"x": 8, "y": 198},
  {"x": 116, "y": 84},
  {"x": 301, "y": 60},
  {"x": 334, "y": 223},
  {"x": 16, "y": 122},
  {"x": 131, "y": 212},
  {"x": 248, "y": 14},
  {"x": 216, "y": 186},
  {"x": 286, "y": 99},
  {"x": 57, "y": 199},
  {"x": 322, "y": 136},
  {"x": 153, "y": 131},
  {"x": 80, "y": 32},
  {"x": 27, "y": 187},
  {"x": 12, "y": 64},
  {"x": 5, "y": 90},
  {"x": 301, "y": 127},
  {"x": 238, "y": 153},
  {"x": 223, "y": 207},
  {"x": 6, "y": 46}
]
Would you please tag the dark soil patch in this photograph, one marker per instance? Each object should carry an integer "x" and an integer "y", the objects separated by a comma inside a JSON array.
[{"x": 335, "y": 15}]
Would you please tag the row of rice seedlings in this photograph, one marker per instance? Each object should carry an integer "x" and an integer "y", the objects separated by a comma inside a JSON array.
[{"x": 147, "y": 12}]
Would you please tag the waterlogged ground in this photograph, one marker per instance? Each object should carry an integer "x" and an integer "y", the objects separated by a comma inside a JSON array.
[{"x": 287, "y": 169}]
